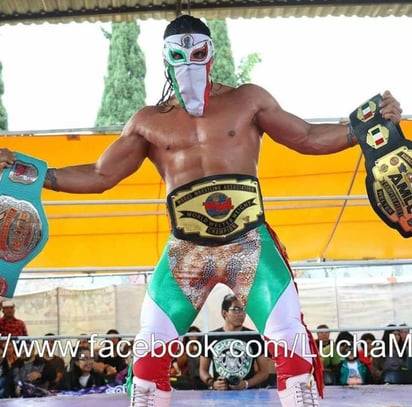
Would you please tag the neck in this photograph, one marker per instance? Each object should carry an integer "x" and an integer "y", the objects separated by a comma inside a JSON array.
[{"x": 231, "y": 328}]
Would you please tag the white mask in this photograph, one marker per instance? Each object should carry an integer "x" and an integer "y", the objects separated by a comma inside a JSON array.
[{"x": 189, "y": 58}]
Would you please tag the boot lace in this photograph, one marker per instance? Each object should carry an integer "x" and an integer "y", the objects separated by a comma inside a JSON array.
[
  {"x": 142, "y": 397},
  {"x": 307, "y": 395}
]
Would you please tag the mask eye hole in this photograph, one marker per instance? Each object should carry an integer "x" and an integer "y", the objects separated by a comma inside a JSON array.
[
  {"x": 177, "y": 56},
  {"x": 199, "y": 54}
]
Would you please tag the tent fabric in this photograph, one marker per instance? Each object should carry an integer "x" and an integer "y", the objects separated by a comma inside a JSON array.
[
  {"x": 40, "y": 11},
  {"x": 316, "y": 204}
]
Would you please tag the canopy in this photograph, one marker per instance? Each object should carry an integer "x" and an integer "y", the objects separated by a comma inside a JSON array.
[
  {"x": 52, "y": 11},
  {"x": 316, "y": 204}
]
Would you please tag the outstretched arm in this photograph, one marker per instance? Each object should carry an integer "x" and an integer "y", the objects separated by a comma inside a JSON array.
[
  {"x": 122, "y": 158},
  {"x": 316, "y": 139}
]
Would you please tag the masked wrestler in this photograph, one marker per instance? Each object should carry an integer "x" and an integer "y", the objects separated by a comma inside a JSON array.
[{"x": 204, "y": 139}]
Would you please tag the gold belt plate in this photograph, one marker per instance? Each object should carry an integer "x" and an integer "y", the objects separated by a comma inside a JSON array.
[
  {"x": 217, "y": 209},
  {"x": 392, "y": 187}
]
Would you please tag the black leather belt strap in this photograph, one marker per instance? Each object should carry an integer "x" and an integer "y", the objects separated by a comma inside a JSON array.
[{"x": 388, "y": 162}]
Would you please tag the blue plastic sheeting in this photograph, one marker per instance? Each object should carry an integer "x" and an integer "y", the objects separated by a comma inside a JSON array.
[{"x": 335, "y": 396}]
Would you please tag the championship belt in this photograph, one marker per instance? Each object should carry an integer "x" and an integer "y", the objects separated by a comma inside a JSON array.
[
  {"x": 23, "y": 224},
  {"x": 388, "y": 161},
  {"x": 216, "y": 209}
]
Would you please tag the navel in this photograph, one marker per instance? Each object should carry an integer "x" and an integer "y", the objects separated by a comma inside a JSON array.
[{"x": 231, "y": 133}]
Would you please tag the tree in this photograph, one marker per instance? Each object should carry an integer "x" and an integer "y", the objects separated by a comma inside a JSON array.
[
  {"x": 245, "y": 68},
  {"x": 124, "y": 87},
  {"x": 3, "y": 112},
  {"x": 223, "y": 69}
]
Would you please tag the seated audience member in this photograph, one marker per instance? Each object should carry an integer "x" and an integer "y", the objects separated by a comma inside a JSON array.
[
  {"x": 81, "y": 375},
  {"x": 186, "y": 366},
  {"x": 231, "y": 357},
  {"x": 55, "y": 360},
  {"x": 404, "y": 341},
  {"x": 344, "y": 343},
  {"x": 109, "y": 359},
  {"x": 84, "y": 341},
  {"x": 365, "y": 354},
  {"x": 394, "y": 360},
  {"x": 7, "y": 387},
  {"x": 127, "y": 350},
  {"x": 32, "y": 373},
  {"x": 351, "y": 371},
  {"x": 328, "y": 354}
]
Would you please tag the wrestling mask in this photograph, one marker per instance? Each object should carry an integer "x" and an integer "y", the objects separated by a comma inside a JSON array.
[{"x": 188, "y": 59}]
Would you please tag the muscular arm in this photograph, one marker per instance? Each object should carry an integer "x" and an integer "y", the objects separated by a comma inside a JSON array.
[
  {"x": 307, "y": 138},
  {"x": 121, "y": 159}
]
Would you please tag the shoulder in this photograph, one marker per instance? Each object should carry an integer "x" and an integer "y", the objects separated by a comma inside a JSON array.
[
  {"x": 218, "y": 330},
  {"x": 245, "y": 89},
  {"x": 247, "y": 329}
]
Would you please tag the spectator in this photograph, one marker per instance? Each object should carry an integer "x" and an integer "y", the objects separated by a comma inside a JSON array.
[
  {"x": 122, "y": 374},
  {"x": 55, "y": 360},
  {"x": 9, "y": 324},
  {"x": 234, "y": 367},
  {"x": 365, "y": 353},
  {"x": 186, "y": 366},
  {"x": 109, "y": 359},
  {"x": 329, "y": 356},
  {"x": 403, "y": 341},
  {"x": 7, "y": 388},
  {"x": 32, "y": 373},
  {"x": 393, "y": 360},
  {"x": 82, "y": 375},
  {"x": 352, "y": 371}
]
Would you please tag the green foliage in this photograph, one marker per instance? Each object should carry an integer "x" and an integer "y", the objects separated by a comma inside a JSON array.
[
  {"x": 3, "y": 112},
  {"x": 223, "y": 69},
  {"x": 245, "y": 68},
  {"x": 124, "y": 87}
]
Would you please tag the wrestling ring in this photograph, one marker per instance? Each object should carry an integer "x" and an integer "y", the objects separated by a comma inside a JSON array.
[{"x": 335, "y": 396}]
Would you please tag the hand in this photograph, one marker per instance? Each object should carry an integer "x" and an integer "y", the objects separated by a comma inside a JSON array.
[
  {"x": 390, "y": 108},
  {"x": 220, "y": 384},
  {"x": 110, "y": 370},
  {"x": 7, "y": 158},
  {"x": 241, "y": 386},
  {"x": 33, "y": 376}
]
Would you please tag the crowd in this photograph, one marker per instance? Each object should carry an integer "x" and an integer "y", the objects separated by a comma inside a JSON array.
[
  {"x": 351, "y": 359},
  {"x": 348, "y": 359},
  {"x": 25, "y": 373}
]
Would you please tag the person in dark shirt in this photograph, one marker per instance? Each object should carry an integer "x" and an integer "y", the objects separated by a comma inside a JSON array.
[{"x": 238, "y": 359}]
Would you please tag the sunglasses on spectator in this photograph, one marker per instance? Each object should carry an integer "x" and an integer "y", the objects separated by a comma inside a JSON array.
[{"x": 237, "y": 310}]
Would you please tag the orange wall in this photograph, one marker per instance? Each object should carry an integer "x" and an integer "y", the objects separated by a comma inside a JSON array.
[{"x": 101, "y": 235}]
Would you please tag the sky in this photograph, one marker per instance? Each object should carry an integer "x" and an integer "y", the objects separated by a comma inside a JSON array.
[{"x": 316, "y": 68}]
